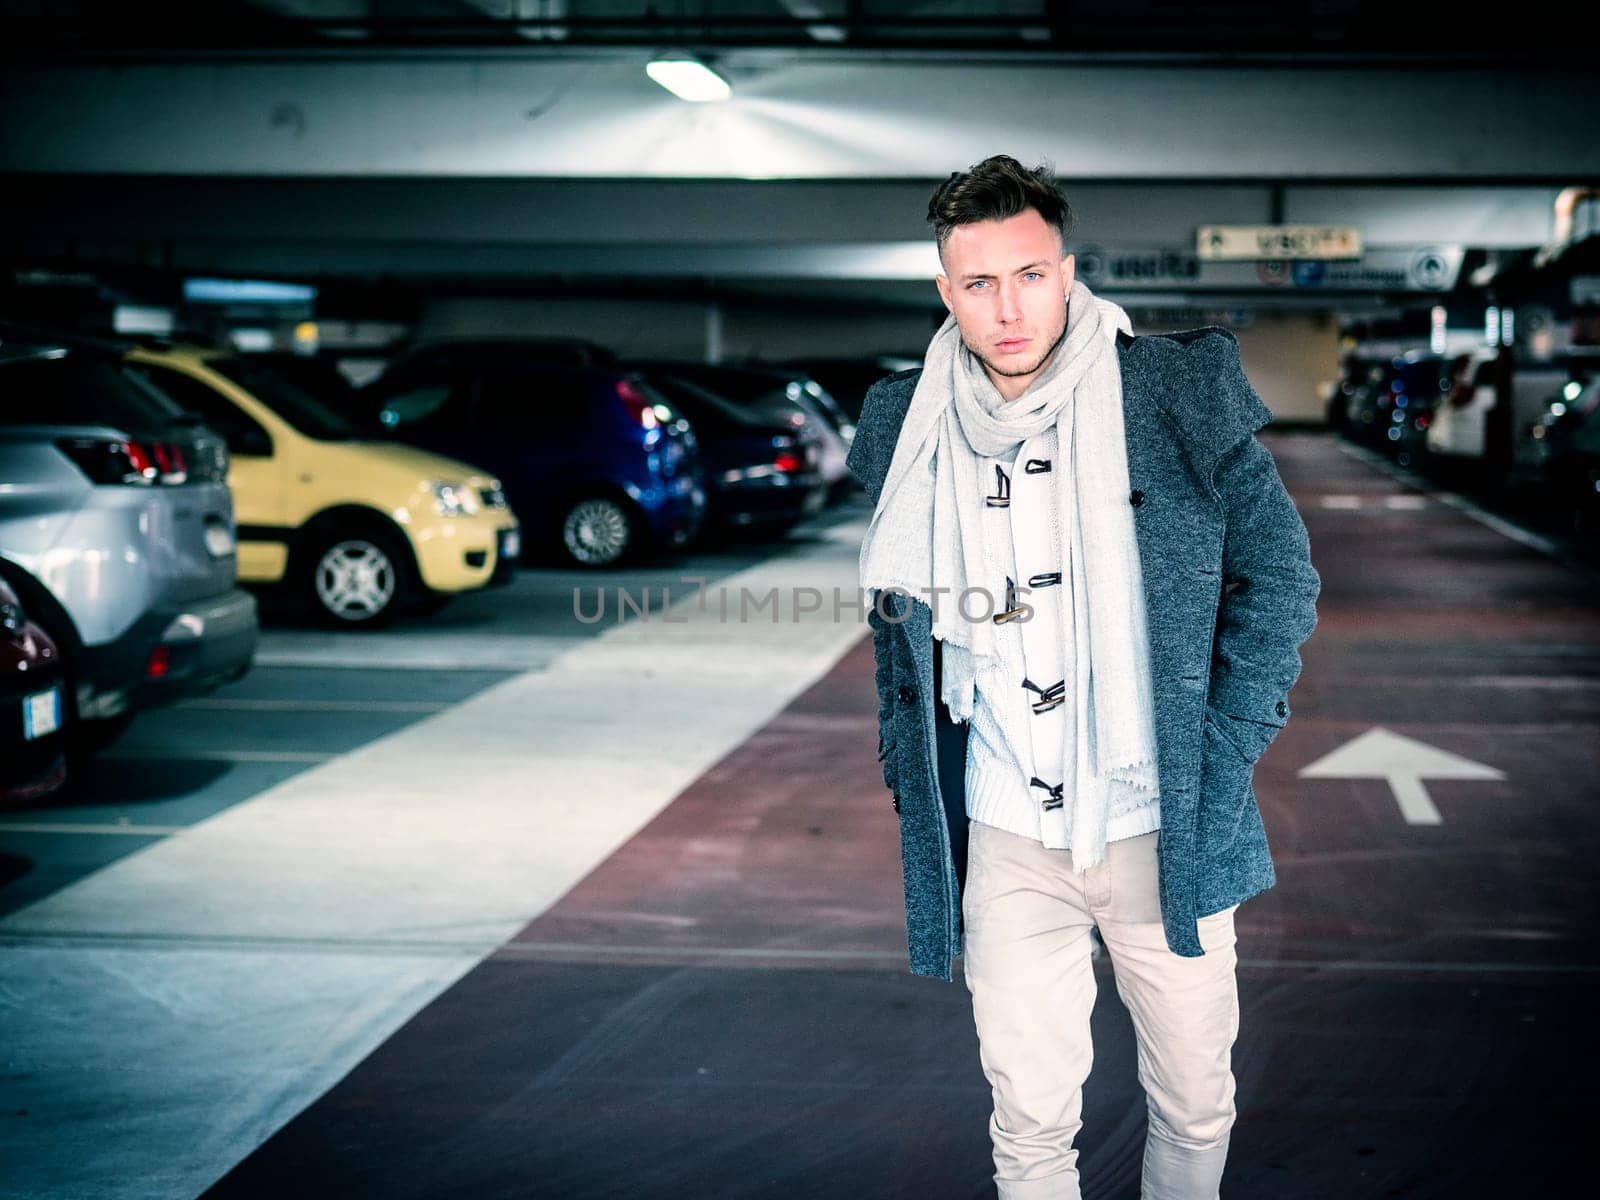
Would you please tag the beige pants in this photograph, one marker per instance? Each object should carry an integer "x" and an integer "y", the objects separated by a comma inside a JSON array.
[{"x": 1027, "y": 964}]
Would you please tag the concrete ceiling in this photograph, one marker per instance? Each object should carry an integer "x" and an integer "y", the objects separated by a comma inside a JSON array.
[
  {"x": 443, "y": 142},
  {"x": 1387, "y": 30}
]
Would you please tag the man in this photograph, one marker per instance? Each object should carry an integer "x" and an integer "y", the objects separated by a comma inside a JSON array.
[{"x": 1090, "y": 588}]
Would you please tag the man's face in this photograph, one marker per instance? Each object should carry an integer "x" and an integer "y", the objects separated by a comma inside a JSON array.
[{"x": 1007, "y": 281}]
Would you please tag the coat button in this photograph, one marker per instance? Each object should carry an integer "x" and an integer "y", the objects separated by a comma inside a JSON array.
[
  {"x": 1282, "y": 708},
  {"x": 907, "y": 696},
  {"x": 897, "y": 804},
  {"x": 1136, "y": 497}
]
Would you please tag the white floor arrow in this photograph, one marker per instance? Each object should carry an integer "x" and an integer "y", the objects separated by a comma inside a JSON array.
[{"x": 1405, "y": 763}]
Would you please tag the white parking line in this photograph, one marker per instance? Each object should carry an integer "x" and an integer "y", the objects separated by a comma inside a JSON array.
[
  {"x": 83, "y": 827},
  {"x": 1499, "y": 524},
  {"x": 414, "y": 650},
  {"x": 450, "y": 835},
  {"x": 223, "y": 704},
  {"x": 1516, "y": 533},
  {"x": 394, "y": 948},
  {"x": 180, "y": 754},
  {"x": 1387, "y": 966},
  {"x": 1408, "y": 502}
]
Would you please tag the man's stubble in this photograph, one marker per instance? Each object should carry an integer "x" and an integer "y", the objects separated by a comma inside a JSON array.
[{"x": 1014, "y": 372}]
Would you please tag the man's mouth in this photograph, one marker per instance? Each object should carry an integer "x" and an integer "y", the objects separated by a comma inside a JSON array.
[{"x": 1012, "y": 344}]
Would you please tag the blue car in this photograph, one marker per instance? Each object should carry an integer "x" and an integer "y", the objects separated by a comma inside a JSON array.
[
  {"x": 761, "y": 471},
  {"x": 592, "y": 459}
]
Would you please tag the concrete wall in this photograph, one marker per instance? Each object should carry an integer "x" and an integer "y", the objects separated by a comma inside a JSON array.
[
  {"x": 688, "y": 328},
  {"x": 1288, "y": 357}
]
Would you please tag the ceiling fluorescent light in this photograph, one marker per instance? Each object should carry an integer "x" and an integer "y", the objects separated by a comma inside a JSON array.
[{"x": 689, "y": 79}]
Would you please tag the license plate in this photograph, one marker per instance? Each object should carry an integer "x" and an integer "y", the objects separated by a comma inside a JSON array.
[
  {"x": 219, "y": 539},
  {"x": 41, "y": 714},
  {"x": 511, "y": 544}
]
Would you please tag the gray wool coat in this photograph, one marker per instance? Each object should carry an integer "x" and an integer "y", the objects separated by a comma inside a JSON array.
[{"x": 1230, "y": 596}]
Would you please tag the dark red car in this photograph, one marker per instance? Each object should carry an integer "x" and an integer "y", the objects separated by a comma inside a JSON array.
[{"x": 32, "y": 741}]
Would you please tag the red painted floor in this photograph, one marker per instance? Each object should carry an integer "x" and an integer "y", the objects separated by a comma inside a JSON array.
[
  {"x": 787, "y": 851},
  {"x": 722, "y": 1009}
]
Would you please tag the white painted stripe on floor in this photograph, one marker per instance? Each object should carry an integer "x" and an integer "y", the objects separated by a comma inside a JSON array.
[
  {"x": 414, "y": 649},
  {"x": 153, "y": 1070},
  {"x": 129, "y": 830},
  {"x": 396, "y": 950},
  {"x": 1420, "y": 967},
  {"x": 1534, "y": 541},
  {"x": 1525, "y": 537},
  {"x": 184, "y": 754},
  {"x": 224, "y": 704}
]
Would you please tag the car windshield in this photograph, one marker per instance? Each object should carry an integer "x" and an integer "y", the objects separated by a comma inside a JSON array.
[
  {"x": 732, "y": 383},
  {"x": 306, "y": 413},
  {"x": 700, "y": 406},
  {"x": 823, "y": 398},
  {"x": 1588, "y": 401},
  {"x": 79, "y": 389}
]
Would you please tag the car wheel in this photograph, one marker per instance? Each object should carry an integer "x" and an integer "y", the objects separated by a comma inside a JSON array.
[
  {"x": 356, "y": 579},
  {"x": 598, "y": 531}
]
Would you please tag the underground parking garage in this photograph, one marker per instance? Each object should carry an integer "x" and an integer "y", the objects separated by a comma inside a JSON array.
[{"x": 601, "y": 599}]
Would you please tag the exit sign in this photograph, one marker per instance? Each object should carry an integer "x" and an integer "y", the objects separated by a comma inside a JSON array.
[{"x": 1242, "y": 242}]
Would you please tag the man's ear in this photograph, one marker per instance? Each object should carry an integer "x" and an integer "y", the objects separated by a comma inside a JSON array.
[
  {"x": 943, "y": 282},
  {"x": 1069, "y": 266}
]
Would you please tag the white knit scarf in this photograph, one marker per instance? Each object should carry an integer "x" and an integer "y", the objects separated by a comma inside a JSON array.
[{"x": 926, "y": 532}]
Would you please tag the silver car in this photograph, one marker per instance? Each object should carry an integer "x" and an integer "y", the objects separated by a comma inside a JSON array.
[{"x": 117, "y": 532}]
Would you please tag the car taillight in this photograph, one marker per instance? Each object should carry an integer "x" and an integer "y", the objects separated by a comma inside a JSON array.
[
  {"x": 107, "y": 460},
  {"x": 169, "y": 458},
  {"x": 637, "y": 403},
  {"x": 787, "y": 460}
]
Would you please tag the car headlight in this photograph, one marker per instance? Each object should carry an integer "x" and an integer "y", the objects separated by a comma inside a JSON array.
[{"x": 454, "y": 499}]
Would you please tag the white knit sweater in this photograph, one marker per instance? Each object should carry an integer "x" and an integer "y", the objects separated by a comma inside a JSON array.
[{"x": 1009, "y": 743}]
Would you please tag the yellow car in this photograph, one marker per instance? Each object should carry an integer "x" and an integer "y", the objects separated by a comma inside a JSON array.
[{"x": 358, "y": 529}]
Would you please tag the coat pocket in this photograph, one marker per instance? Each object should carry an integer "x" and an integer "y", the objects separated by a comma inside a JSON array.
[
  {"x": 886, "y": 746},
  {"x": 883, "y": 655},
  {"x": 1225, "y": 793},
  {"x": 1247, "y": 736}
]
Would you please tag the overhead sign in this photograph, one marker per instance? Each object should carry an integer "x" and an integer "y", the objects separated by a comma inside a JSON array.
[
  {"x": 1236, "y": 243},
  {"x": 1384, "y": 269},
  {"x": 1136, "y": 267}
]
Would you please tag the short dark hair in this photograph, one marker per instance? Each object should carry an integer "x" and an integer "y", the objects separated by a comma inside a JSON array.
[{"x": 997, "y": 188}]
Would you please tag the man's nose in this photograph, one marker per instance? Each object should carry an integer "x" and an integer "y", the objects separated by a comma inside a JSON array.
[{"x": 1010, "y": 305}]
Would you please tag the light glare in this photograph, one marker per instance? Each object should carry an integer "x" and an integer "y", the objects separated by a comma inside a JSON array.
[{"x": 688, "y": 79}]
